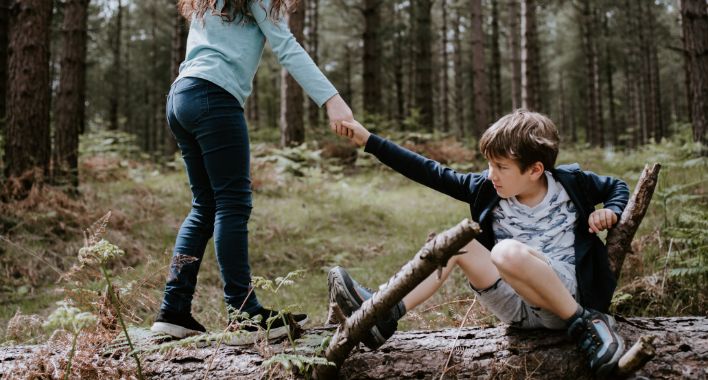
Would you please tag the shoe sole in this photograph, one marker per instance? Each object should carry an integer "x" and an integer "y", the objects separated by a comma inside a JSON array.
[
  {"x": 348, "y": 304},
  {"x": 607, "y": 368},
  {"x": 173, "y": 330},
  {"x": 242, "y": 338}
]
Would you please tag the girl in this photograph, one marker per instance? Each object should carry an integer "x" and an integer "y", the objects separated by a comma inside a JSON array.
[{"x": 205, "y": 115}]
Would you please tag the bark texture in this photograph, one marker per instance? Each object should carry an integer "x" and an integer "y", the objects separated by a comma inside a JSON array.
[
  {"x": 27, "y": 141},
  {"x": 479, "y": 72},
  {"x": 292, "y": 127},
  {"x": 371, "y": 58},
  {"x": 619, "y": 238},
  {"x": 70, "y": 101},
  {"x": 180, "y": 30},
  {"x": 530, "y": 65},
  {"x": 694, "y": 21},
  {"x": 4, "y": 21},
  {"x": 477, "y": 352},
  {"x": 424, "y": 63}
]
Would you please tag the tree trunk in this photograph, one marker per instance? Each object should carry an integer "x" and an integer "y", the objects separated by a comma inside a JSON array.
[
  {"x": 445, "y": 70},
  {"x": 313, "y": 110},
  {"x": 597, "y": 83},
  {"x": 252, "y": 109},
  {"x": 412, "y": 51},
  {"x": 128, "y": 99},
  {"x": 27, "y": 137},
  {"x": 4, "y": 23},
  {"x": 479, "y": 74},
  {"x": 424, "y": 64},
  {"x": 612, "y": 127},
  {"x": 179, "y": 49},
  {"x": 115, "y": 71},
  {"x": 530, "y": 69},
  {"x": 563, "y": 108},
  {"x": 292, "y": 127},
  {"x": 69, "y": 110},
  {"x": 159, "y": 123},
  {"x": 593, "y": 126},
  {"x": 495, "y": 87},
  {"x": 694, "y": 20},
  {"x": 371, "y": 62},
  {"x": 398, "y": 41},
  {"x": 463, "y": 353},
  {"x": 515, "y": 48},
  {"x": 457, "y": 66}
]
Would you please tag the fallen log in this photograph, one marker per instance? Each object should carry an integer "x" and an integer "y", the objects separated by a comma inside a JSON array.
[{"x": 479, "y": 352}]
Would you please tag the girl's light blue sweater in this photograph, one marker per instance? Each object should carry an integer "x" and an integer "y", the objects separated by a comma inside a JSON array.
[{"x": 228, "y": 53}]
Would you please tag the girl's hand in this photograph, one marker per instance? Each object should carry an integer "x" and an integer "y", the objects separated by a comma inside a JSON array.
[
  {"x": 356, "y": 132},
  {"x": 602, "y": 219},
  {"x": 338, "y": 111}
]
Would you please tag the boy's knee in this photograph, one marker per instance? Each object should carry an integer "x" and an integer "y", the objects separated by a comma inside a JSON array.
[{"x": 509, "y": 255}]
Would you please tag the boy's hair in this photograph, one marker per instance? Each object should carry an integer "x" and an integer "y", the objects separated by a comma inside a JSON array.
[{"x": 524, "y": 136}]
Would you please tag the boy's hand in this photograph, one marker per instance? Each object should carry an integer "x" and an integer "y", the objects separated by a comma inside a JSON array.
[
  {"x": 355, "y": 131},
  {"x": 602, "y": 219}
]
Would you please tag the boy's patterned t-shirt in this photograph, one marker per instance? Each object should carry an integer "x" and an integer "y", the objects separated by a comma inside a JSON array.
[{"x": 548, "y": 227}]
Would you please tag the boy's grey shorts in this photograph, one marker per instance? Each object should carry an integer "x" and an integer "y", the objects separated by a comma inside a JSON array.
[{"x": 507, "y": 305}]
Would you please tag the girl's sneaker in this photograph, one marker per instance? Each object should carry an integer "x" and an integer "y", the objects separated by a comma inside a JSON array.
[{"x": 178, "y": 325}]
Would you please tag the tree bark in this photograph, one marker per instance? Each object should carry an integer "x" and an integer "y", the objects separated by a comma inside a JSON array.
[
  {"x": 180, "y": 32},
  {"x": 495, "y": 82},
  {"x": 694, "y": 21},
  {"x": 515, "y": 48},
  {"x": 619, "y": 238},
  {"x": 69, "y": 110},
  {"x": 424, "y": 64},
  {"x": 612, "y": 127},
  {"x": 530, "y": 65},
  {"x": 4, "y": 23},
  {"x": 593, "y": 126},
  {"x": 473, "y": 352},
  {"x": 479, "y": 72},
  {"x": 459, "y": 94},
  {"x": 292, "y": 127},
  {"x": 398, "y": 41},
  {"x": 445, "y": 93},
  {"x": 27, "y": 137},
  {"x": 371, "y": 61},
  {"x": 115, "y": 72},
  {"x": 312, "y": 15}
]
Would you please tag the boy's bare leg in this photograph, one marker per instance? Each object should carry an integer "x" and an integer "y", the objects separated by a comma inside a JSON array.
[
  {"x": 477, "y": 265},
  {"x": 528, "y": 273}
]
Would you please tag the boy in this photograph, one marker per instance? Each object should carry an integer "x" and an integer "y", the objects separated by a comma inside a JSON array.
[{"x": 538, "y": 262}]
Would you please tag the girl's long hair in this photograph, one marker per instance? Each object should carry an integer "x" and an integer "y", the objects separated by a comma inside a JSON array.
[{"x": 231, "y": 9}]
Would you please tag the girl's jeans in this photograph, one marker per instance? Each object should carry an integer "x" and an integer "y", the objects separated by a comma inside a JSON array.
[{"x": 211, "y": 132}]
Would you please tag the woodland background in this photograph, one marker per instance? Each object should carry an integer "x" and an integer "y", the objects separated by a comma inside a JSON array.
[{"x": 83, "y": 86}]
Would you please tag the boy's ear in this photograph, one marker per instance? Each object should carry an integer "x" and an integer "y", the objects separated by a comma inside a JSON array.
[{"x": 537, "y": 169}]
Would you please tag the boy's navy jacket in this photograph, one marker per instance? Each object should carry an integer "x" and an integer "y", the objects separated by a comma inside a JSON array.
[{"x": 596, "y": 282}]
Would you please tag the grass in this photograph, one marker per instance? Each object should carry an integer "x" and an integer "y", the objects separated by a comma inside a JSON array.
[{"x": 365, "y": 218}]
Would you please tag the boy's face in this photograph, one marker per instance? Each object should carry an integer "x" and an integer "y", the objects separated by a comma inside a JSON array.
[{"x": 507, "y": 178}]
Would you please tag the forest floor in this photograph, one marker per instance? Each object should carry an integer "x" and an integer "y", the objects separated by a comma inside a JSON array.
[{"x": 311, "y": 213}]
